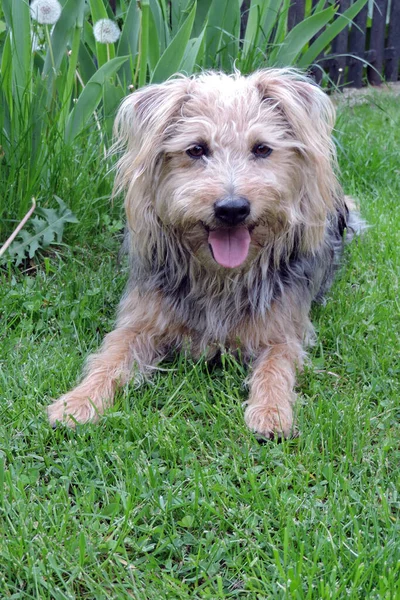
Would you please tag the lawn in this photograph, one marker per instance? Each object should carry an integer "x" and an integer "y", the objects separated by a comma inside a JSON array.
[{"x": 170, "y": 496}]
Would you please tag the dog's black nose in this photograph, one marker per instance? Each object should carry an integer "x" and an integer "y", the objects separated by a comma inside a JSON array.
[{"x": 232, "y": 211}]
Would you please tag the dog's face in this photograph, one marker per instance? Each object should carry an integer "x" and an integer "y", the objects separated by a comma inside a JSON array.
[{"x": 232, "y": 163}]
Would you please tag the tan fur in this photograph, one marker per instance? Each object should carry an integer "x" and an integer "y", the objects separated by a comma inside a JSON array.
[{"x": 169, "y": 202}]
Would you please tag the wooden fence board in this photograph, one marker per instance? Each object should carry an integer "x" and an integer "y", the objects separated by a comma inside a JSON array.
[
  {"x": 339, "y": 48},
  {"x": 378, "y": 44},
  {"x": 357, "y": 41},
  {"x": 377, "y": 41},
  {"x": 296, "y": 13},
  {"x": 393, "y": 43}
]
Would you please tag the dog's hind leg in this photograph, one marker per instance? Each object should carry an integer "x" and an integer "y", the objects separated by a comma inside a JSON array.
[{"x": 132, "y": 349}]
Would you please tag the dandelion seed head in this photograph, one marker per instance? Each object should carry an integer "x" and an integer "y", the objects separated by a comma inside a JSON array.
[
  {"x": 46, "y": 12},
  {"x": 106, "y": 31}
]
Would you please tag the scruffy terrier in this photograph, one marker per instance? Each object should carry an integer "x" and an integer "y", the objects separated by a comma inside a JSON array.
[{"x": 236, "y": 223}]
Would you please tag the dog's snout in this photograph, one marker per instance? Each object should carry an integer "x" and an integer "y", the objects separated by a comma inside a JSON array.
[{"x": 232, "y": 211}]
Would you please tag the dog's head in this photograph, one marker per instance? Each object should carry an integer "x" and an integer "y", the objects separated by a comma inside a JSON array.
[{"x": 232, "y": 163}]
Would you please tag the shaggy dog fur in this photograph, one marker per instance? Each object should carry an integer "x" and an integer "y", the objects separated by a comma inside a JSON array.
[{"x": 236, "y": 223}]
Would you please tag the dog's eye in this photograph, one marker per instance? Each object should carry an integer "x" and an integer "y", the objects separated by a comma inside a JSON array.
[
  {"x": 261, "y": 150},
  {"x": 197, "y": 151}
]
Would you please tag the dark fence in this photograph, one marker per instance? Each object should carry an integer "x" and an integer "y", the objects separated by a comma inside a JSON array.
[{"x": 374, "y": 41}]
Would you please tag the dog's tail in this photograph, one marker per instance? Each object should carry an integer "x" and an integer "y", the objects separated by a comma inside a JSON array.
[{"x": 354, "y": 224}]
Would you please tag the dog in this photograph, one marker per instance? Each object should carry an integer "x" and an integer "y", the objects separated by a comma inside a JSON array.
[{"x": 236, "y": 223}]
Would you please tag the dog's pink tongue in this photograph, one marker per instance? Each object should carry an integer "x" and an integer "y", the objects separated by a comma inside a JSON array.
[{"x": 230, "y": 246}]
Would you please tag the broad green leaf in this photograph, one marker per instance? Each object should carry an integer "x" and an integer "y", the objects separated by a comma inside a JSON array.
[
  {"x": 229, "y": 45},
  {"x": 171, "y": 60},
  {"x": 281, "y": 24},
  {"x": 179, "y": 11},
  {"x": 86, "y": 65},
  {"x": 200, "y": 20},
  {"x": 160, "y": 22},
  {"x": 112, "y": 96},
  {"x": 154, "y": 44},
  {"x": 277, "y": 9},
  {"x": 90, "y": 98},
  {"x": 129, "y": 40},
  {"x": 21, "y": 49},
  {"x": 214, "y": 32},
  {"x": 319, "y": 6},
  {"x": 299, "y": 36},
  {"x": 7, "y": 12},
  {"x": 191, "y": 54},
  {"x": 256, "y": 20},
  {"x": 88, "y": 38},
  {"x": 330, "y": 33},
  {"x": 6, "y": 72}
]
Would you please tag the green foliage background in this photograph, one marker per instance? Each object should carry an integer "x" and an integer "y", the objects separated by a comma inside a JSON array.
[{"x": 60, "y": 88}]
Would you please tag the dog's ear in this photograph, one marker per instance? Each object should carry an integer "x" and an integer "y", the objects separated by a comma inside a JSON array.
[
  {"x": 305, "y": 106},
  {"x": 141, "y": 125}
]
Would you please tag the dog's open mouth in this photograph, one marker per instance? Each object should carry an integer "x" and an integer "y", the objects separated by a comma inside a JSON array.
[{"x": 230, "y": 246}]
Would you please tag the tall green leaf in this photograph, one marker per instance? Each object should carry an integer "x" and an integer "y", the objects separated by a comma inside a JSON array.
[
  {"x": 330, "y": 33},
  {"x": 154, "y": 43},
  {"x": 215, "y": 27},
  {"x": 6, "y": 72},
  {"x": 256, "y": 19},
  {"x": 202, "y": 13},
  {"x": 299, "y": 36},
  {"x": 191, "y": 54},
  {"x": 129, "y": 40},
  {"x": 90, "y": 97},
  {"x": 229, "y": 45},
  {"x": 161, "y": 24},
  {"x": 21, "y": 49},
  {"x": 171, "y": 59}
]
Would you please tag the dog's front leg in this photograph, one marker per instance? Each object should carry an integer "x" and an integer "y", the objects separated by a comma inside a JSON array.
[
  {"x": 269, "y": 410},
  {"x": 138, "y": 342}
]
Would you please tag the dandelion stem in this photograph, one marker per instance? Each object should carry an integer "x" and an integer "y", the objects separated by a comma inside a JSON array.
[
  {"x": 69, "y": 84},
  {"x": 50, "y": 48}
]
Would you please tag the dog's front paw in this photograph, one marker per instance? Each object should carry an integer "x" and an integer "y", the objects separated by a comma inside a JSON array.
[
  {"x": 71, "y": 409},
  {"x": 268, "y": 422}
]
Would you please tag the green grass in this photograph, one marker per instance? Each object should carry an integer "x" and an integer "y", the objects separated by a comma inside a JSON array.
[{"x": 170, "y": 496}]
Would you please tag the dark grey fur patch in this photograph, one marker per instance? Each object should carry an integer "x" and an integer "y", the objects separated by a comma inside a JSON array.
[{"x": 213, "y": 305}]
